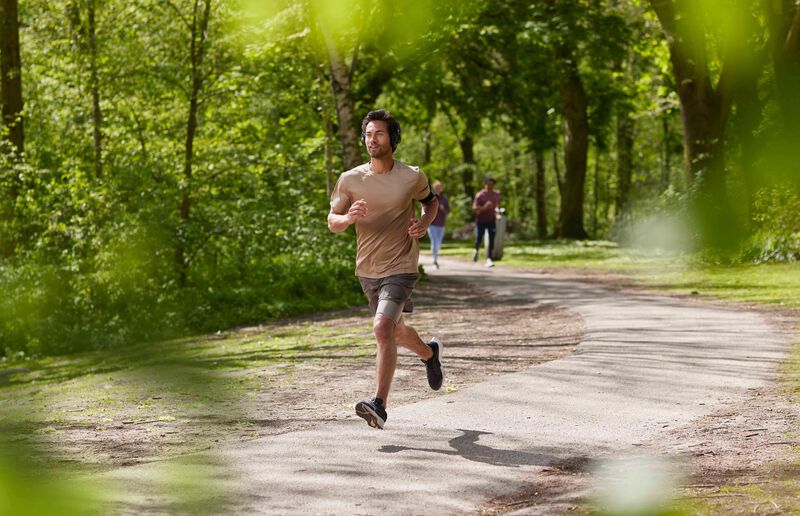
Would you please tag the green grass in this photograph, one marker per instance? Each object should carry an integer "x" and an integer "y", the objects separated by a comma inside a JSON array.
[
  {"x": 778, "y": 496},
  {"x": 776, "y": 284}
]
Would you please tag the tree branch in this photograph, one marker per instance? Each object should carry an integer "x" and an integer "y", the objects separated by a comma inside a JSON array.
[{"x": 180, "y": 14}]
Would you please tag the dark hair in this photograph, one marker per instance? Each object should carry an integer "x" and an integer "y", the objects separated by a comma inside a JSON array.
[
  {"x": 394, "y": 127},
  {"x": 487, "y": 179}
]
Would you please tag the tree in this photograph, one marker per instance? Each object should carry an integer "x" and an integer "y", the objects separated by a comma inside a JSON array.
[
  {"x": 704, "y": 106},
  {"x": 567, "y": 24},
  {"x": 363, "y": 44},
  {"x": 341, "y": 76},
  {"x": 82, "y": 16},
  {"x": 784, "y": 30},
  {"x": 97, "y": 114},
  {"x": 576, "y": 145},
  {"x": 12, "y": 141},
  {"x": 198, "y": 28},
  {"x": 532, "y": 97},
  {"x": 625, "y": 138},
  {"x": 471, "y": 69},
  {"x": 11, "y": 76}
]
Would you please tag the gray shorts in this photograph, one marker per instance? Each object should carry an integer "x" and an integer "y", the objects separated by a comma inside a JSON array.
[{"x": 390, "y": 296}]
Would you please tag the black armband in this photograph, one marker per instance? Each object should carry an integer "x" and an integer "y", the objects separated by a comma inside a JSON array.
[{"x": 430, "y": 196}]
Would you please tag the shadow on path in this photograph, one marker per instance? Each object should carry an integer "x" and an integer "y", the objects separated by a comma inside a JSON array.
[{"x": 466, "y": 446}]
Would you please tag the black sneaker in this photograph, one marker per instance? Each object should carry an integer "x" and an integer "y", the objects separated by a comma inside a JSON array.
[
  {"x": 433, "y": 365},
  {"x": 372, "y": 411}
]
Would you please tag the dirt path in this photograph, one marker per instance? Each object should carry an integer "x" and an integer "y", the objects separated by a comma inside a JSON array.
[
  {"x": 741, "y": 459},
  {"x": 651, "y": 374}
]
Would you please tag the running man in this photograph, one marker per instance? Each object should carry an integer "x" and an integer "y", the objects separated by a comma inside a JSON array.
[
  {"x": 485, "y": 203},
  {"x": 378, "y": 197}
]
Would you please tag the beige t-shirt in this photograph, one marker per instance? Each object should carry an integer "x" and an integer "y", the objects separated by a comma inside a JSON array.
[{"x": 384, "y": 245}]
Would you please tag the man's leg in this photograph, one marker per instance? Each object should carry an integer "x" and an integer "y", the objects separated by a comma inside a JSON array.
[
  {"x": 480, "y": 229},
  {"x": 408, "y": 337},
  {"x": 430, "y": 354},
  {"x": 491, "y": 228},
  {"x": 386, "y": 357},
  {"x": 388, "y": 297},
  {"x": 374, "y": 411}
]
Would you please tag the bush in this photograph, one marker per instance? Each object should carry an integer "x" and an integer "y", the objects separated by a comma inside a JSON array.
[
  {"x": 775, "y": 233},
  {"x": 51, "y": 310}
]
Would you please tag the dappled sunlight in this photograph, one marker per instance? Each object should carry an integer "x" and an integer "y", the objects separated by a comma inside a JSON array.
[{"x": 179, "y": 319}]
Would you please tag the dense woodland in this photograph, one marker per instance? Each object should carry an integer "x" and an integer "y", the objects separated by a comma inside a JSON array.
[{"x": 165, "y": 164}]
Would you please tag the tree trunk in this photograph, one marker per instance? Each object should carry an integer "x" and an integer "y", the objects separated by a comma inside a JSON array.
[
  {"x": 97, "y": 114},
  {"x": 197, "y": 52},
  {"x": 431, "y": 112},
  {"x": 749, "y": 107},
  {"x": 666, "y": 162},
  {"x": 327, "y": 113},
  {"x": 703, "y": 109},
  {"x": 557, "y": 170},
  {"x": 784, "y": 27},
  {"x": 625, "y": 127},
  {"x": 576, "y": 147},
  {"x": 596, "y": 194},
  {"x": 349, "y": 124},
  {"x": 541, "y": 196},
  {"x": 329, "y": 179},
  {"x": 11, "y": 122},
  {"x": 467, "y": 145},
  {"x": 11, "y": 78}
]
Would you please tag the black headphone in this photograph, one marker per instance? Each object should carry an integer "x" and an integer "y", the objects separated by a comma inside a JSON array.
[{"x": 394, "y": 136}]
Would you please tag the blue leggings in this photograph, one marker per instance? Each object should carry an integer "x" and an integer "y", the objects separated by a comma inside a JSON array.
[{"x": 436, "y": 233}]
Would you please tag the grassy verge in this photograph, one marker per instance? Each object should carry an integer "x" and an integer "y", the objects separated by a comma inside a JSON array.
[{"x": 775, "y": 284}]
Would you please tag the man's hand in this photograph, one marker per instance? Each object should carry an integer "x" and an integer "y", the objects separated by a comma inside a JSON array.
[
  {"x": 358, "y": 210},
  {"x": 338, "y": 222},
  {"x": 417, "y": 229}
]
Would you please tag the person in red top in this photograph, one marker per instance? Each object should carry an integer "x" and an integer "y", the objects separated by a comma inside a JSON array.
[{"x": 484, "y": 205}]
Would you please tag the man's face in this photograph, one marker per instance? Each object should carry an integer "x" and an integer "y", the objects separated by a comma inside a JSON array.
[
  {"x": 489, "y": 185},
  {"x": 376, "y": 138}
]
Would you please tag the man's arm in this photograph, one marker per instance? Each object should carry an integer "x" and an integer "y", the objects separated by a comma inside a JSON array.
[
  {"x": 480, "y": 204},
  {"x": 418, "y": 228},
  {"x": 338, "y": 222}
]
